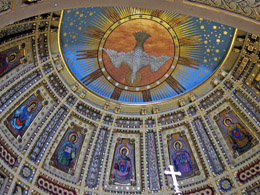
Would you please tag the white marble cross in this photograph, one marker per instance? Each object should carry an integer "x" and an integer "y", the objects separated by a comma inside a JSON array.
[{"x": 174, "y": 179}]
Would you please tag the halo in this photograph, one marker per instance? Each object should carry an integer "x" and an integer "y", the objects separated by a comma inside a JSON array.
[
  {"x": 15, "y": 54},
  {"x": 36, "y": 104},
  {"x": 174, "y": 145},
  {"x": 75, "y": 134},
  {"x": 225, "y": 123},
  {"x": 127, "y": 150}
]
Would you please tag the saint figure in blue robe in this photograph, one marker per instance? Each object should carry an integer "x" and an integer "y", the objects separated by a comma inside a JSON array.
[
  {"x": 67, "y": 151},
  {"x": 23, "y": 116}
]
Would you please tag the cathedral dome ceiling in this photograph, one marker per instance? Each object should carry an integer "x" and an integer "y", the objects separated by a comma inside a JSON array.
[
  {"x": 141, "y": 55},
  {"x": 101, "y": 100}
]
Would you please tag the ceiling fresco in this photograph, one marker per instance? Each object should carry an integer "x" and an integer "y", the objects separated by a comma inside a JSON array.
[
  {"x": 141, "y": 55},
  {"x": 83, "y": 128}
]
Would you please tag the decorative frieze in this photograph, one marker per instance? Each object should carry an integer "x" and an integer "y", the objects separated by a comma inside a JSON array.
[
  {"x": 249, "y": 173},
  {"x": 47, "y": 135},
  {"x": 247, "y": 8},
  {"x": 7, "y": 156},
  {"x": 208, "y": 190},
  {"x": 51, "y": 187},
  {"x": 210, "y": 152},
  {"x": 153, "y": 176},
  {"x": 96, "y": 160},
  {"x": 5, "y": 5},
  {"x": 252, "y": 109},
  {"x": 11, "y": 95}
]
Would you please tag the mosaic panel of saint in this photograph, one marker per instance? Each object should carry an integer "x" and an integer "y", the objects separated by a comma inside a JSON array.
[
  {"x": 66, "y": 154},
  {"x": 9, "y": 59},
  {"x": 123, "y": 167},
  {"x": 235, "y": 132},
  {"x": 181, "y": 156},
  {"x": 21, "y": 118}
]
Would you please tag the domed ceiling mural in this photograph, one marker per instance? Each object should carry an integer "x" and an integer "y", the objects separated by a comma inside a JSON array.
[
  {"x": 104, "y": 100},
  {"x": 141, "y": 55}
]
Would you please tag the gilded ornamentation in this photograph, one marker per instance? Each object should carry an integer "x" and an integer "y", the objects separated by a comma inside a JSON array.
[
  {"x": 152, "y": 163},
  {"x": 5, "y": 5},
  {"x": 96, "y": 162},
  {"x": 205, "y": 141},
  {"x": 249, "y": 8},
  {"x": 79, "y": 143},
  {"x": 49, "y": 132}
]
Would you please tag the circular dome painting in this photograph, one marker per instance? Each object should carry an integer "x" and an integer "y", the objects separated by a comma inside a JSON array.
[
  {"x": 141, "y": 43},
  {"x": 141, "y": 55}
]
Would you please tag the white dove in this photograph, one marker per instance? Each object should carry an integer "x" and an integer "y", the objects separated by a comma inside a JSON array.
[{"x": 138, "y": 58}]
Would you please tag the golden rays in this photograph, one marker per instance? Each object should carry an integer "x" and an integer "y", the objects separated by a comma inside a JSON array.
[
  {"x": 185, "y": 34},
  {"x": 182, "y": 25},
  {"x": 193, "y": 40},
  {"x": 86, "y": 54}
]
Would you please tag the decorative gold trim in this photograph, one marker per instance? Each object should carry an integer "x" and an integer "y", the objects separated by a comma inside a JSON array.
[{"x": 223, "y": 11}]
